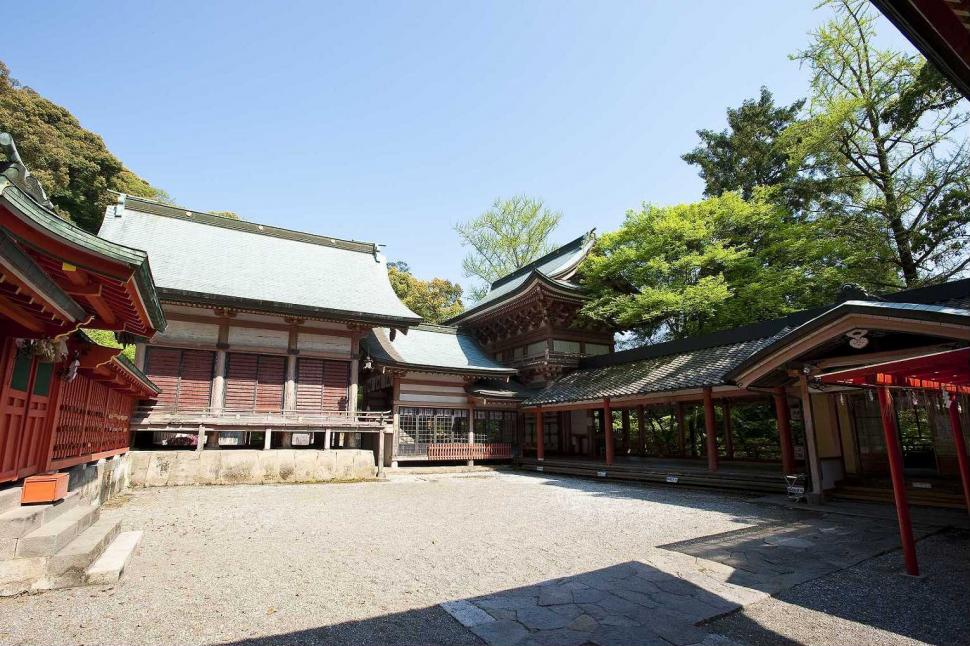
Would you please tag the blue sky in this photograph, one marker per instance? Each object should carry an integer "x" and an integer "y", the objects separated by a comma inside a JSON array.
[{"x": 390, "y": 121}]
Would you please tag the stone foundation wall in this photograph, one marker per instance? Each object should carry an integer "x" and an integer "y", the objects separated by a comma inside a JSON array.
[
  {"x": 99, "y": 481},
  {"x": 172, "y": 468}
]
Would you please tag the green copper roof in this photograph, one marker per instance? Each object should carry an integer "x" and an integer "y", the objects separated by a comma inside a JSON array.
[
  {"x": 554, "y": 268},
  {"x": 207, "y": 259},
  {"x": 433, "y": 348},
  {"x": 20, "y": 202},
  {"x": 22, "y": 264}
]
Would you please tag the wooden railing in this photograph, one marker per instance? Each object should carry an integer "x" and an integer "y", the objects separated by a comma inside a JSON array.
[
  {"x": 465, "y": 451},
  {"x": 149, "y": 417},
  {"x": 92, "y": 423}
]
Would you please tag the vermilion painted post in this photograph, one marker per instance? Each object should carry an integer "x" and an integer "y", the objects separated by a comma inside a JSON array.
[
  {"x": 608, "y": 431},
  {"x": 641, "y": 430},
  {"x": 728, "y": 430},
  {"x": 709, "y": 430},
  {"x": 540, "y": 437},
  {"x": 783, "y": 416},
  {"x": 895, "y": 454},
  {"x": 961, "y": 448},
  {"x": 681, "y": 431}
]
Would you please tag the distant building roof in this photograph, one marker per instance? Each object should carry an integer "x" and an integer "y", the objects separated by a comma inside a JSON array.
[
  {"x": 712, "y": 359},
  {"x": 203, "y": 258},
  {"x": 432, "y": 348},
  {"x": 555, "y": 268}
]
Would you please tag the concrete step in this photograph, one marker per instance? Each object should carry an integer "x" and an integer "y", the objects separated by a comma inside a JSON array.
[
  {"x": 109, "y": 566},
  {"x": 24, "y": 519},
  {"x": 49, "y": 538},
  {"x": 9, "y": 498},
  {"x": 67, "y": 567}
]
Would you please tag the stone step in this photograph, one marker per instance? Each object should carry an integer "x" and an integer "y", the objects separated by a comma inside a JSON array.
[
  {"x": 24, "y": 519},
  {"x": 109, "y": 566},
  {"x": 67, "y": 567},
  {"x": 9, "y": 498},
  {"x": 49, "y": 538}
]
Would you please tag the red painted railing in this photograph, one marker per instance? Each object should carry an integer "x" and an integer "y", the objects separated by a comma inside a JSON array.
[
  {"x": 92, "y": 422},
  {"x": 464, "y": 451}
]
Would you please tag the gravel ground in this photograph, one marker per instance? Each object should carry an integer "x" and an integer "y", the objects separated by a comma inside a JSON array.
[
  {"x": 358, "y": 563},
  {"x": 871, "y": 603}
]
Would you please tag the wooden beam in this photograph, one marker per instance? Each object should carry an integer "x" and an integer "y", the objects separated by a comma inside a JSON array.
[
  {"x": 709, "y": 431},
  {"x": 19, "y": 316}
]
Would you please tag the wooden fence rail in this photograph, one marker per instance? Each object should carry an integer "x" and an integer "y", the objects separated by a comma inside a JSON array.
[{"x": 464, "y": 451}]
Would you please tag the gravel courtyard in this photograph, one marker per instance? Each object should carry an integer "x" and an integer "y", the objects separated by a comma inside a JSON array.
[{"x": 370, "y": 563}]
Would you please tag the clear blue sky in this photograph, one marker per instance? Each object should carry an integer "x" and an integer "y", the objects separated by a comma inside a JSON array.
[{"x": 390, "y": 121}]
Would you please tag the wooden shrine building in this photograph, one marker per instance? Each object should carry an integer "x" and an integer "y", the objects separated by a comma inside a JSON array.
[
  {"x": 64, "y": 399},
  {"x": 265, "y": 324}
]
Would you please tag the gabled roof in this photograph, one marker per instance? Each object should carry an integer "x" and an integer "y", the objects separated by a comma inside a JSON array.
[
  {"x": 200, "y": 258},
  {"x": 554, "y": 269},
  {"x": 899, "y": 311},
  {"x": 21, "y": 268},
  {"x": 122, "y": 274},
  {"x": 432, "y": 348},
  {"x": 715, "y": 359}
]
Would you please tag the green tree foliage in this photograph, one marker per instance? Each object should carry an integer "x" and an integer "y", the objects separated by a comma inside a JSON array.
[
  {"x": 892, "y": 132},
  {"x": 108, "y": 340},
  {"x": 433, "y": 300},
  {"x": 722, "y": 262},
  {"x": 749, "y": 154},
  {"x": 72, "y": 164},
  {"x": 508, "y": 236},
  {"x": 746, "y": 154}
]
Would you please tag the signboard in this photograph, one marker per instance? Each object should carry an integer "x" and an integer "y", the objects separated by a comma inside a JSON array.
[
  {"x": 673, "y": 479},
  {"x": 300, "y": 439},
  {"x": 601, "y": 474}
]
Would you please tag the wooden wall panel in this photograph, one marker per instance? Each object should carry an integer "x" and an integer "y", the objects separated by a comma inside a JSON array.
[
  {"x": 195, "y": 384},
  {"x": 322, "y": 384},
  {"x": 185, "y": 376},
  {"x": 271, "y": 380},
  {"x": 241, "y": 373},
  {"x": 162, "y": 367},
  {"x": 309, "y": 384}
]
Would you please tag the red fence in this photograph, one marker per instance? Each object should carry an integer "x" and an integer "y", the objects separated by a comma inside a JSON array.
[
  {"x": 464, "y": 451},
  {"x": 92, "y": 422}
]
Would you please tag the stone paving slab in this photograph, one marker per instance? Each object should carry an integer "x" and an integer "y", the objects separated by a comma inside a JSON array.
[
  {"x": 775, "y": 556},
  {"x": 630, "y": 604}
]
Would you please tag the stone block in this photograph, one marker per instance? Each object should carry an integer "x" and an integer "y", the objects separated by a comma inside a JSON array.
[
  {"x": 327, "y": 465},
  {"x": 286, "y": 467},
  {"x": 240, "y": 467},
  {"x": 269, "y": 464},
  {"x": 304, "y": 466},
  {"x": 185, "y": 470},
  {"x": 158, "y": 469},
  {"x": 210, "y": 466},
  {"x": 139, "y": 461},
  {"x": 17, "y": 575}
]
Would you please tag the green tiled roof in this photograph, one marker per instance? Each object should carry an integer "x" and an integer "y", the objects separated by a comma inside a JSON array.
[
  {"x": 22, "y": 264},
  {"x": 551, "y": 268},
  {"x": 434, "y": 348},
  {"x": 39, "y": 215},
  {"x": 207, "y": 259}
]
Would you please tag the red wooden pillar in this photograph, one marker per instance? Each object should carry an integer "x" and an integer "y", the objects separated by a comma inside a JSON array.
[
  {"x": 728, "y": 430},
  {"x": 608, "y": 431},
  {"x": 681, "y": 430},
  {"x": 709, "y": 431},
  {"x": 895, "y": 454},
  {"x": 961, "y": 448},
  {"x": 540, "y": 437},
  {"x": 783, "y": 416},
  {"x": 625, "y": 416},
  {"x": 641, "y": 430}
]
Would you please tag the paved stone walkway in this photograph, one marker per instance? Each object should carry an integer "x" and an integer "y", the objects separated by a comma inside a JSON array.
[
  {"x": 630, "y": 604},
  {"x": 779, "y": 555}
]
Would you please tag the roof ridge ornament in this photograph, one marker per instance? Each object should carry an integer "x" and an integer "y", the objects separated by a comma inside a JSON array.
[{"x": 17, "y": 172}]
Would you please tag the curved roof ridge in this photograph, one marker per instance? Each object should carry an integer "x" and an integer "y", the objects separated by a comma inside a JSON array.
[{"x": 570, "y": 247}]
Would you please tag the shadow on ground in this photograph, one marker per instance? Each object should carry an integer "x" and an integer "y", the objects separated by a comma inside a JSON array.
[{"x": 629, "y": 604}]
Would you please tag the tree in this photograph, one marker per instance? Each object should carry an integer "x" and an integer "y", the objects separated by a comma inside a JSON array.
[
  {"x": 746, "y": 154},
  {"x": 510, "y": 235},
  {"x": 890, "y": 129},
  {"x": 722, "y": 262},
  {"x": 434, "y": 300},
  {"x": 71, "y": 163},
  {"x": 750, "y": 153}
]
